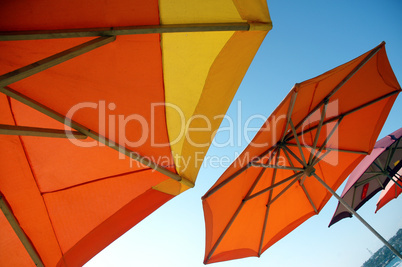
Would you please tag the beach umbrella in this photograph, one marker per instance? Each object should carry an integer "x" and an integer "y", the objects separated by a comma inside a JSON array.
[
  {"x": 299, "y": 157},
  {"x": 392, "y": 191},
  {"x": 372, "y": 174},
  {"x": 107, "y": 111}
]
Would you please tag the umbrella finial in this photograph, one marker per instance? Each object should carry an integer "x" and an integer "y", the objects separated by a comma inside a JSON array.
[{"x": 309, "y": 170}]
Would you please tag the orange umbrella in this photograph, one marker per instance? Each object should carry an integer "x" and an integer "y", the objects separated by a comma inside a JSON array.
[
  {"x": 391, "y": 191},
  {"x": 135, "y": 86},
  {"x": 315, "y": 137}
]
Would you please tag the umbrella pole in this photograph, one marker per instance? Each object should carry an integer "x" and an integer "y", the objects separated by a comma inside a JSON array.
[{"x": 350, "y": 209}]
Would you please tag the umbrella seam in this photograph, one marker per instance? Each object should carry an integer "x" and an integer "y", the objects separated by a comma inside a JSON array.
[
  {"x": 164, "y": 97},
  {"x": 382, "y": 77},
  {"x": 96, "y": 180}
]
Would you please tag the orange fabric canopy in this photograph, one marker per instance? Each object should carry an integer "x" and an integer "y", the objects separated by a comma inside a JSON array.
[
  {"x": 110, "y": 68},
  {"x": 320, "y": 131}
]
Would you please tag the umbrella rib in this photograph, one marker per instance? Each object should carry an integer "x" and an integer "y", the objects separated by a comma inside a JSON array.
[
  {"x": 255, "y": 164},
  {"x": 290, "y": 110},
  {"x": 92, "y": 134},
  {"x": 309, "y": 198},
  {"x": 374, "y": 172},
  {"x": 396, "y": 182},
  {"x": 297, "y": 174},
  {"x": 288, "y": 138},
  {"x": 288, "y": 157},
  {"x": 5, "y": 208},
  {"x": 264, "y": 227},
  {"x": 350, "y": 209},
  {"x": 36, "y": 131},
  {"x": 341, "y": 83},
  {"x": 237, "y": 173},
  {"x": 336, "y": 149},
  {"x": 53, "y": 60},
  {"x": 388, "y": 160},
  {"x": 377, "y": 163},
  {"x": 365, "y": 181},
  {"x": 316, "y": 160},
  {"x": 298, "y": 177},
  {"x": 327, "y": 139},
  {"x": 129, "y": 30},
  {"x": 232, "y": 219},
  {"x": 298, "y": 142},
  {"x": 293, "y": 154},
  {"x": 391, "y": 154},
  {"x": 317, "y": 135}
]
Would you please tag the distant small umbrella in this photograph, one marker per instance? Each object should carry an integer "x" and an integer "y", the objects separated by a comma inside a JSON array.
[
  {"x": 392, "y": 191},
  {"x": 372, "y": 174}
]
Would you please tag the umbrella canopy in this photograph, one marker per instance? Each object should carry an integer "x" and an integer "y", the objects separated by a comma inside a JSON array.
[
  {"x": 371, "y": 175},
  {"x": 392, "y": 191},
  {"x": 315, "y": 137},
  {"x": 136, "y": 86}
]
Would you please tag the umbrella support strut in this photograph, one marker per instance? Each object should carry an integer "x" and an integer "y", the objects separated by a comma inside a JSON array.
[
  {"x": 19, "y": 232},
  {"x": 94, "y": 135},
  {"x": 36, "y": 131},
  {"x": 51, "y": 61},
  {"x": 129, "y": 30},
  {"x": 357, "y": 215}
]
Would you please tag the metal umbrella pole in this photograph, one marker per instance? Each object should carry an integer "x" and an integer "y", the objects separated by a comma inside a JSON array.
[{"x": 350, "y": 209}]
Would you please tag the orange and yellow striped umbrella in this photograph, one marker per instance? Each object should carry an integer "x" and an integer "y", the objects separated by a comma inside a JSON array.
[{"x": 136, "y": 86}]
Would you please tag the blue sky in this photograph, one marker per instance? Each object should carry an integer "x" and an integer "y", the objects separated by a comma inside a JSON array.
[{"x": 307, "y": 39}]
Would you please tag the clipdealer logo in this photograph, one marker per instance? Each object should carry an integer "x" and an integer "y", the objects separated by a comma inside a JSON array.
[{"x": 234, "y": 132}]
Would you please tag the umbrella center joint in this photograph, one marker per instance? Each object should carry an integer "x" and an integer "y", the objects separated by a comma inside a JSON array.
[{"x": 309, "y": 170}]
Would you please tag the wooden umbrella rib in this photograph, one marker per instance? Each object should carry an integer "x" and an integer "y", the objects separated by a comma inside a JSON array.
[
  {"x": 290, "y": 111},
  {"x": 297, "y": 174},
  {"x": 288, "y": 138},
  {"x": 270, "y": 166},
  {"x": 365, "y": 181},
  {"x": 36, "y": 131},
  {"x": 94, "y": 135},
  {"x": 335, "y": 149},
  {"x": 126, "y": 30},
  {"x": 309, "y": 198},
  {"x": 380, "y": 183},
  {"x": 396, "y": 180},
  {"x": 391, "y": 153},
  {"x": 317, "y": 134},
  {"x": 388, "y": 160},
  {"x": 341, "y": 83},
  {"x": 237, "y": 173},
  {"x": 20, "y": 232},
  {"x": 232, "y": 219},
  {"x": 327, "y": 139},
  {"x": 53, "y": 60},
  {"x": 297, "y": 178},
  {"x": 377, "y": 163},
  {"x": 293, "y": 154},
  {"x": 267, "y": 207},
  {"x": 321, "y": 157},
  {"x": 298, "y": 143}
]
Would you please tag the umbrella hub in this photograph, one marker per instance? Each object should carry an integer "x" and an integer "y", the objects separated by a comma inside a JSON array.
[{"x": 309, "y": 170}]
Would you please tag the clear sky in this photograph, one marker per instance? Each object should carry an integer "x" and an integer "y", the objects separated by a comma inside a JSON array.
[{"x": 307, "y": 39}]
